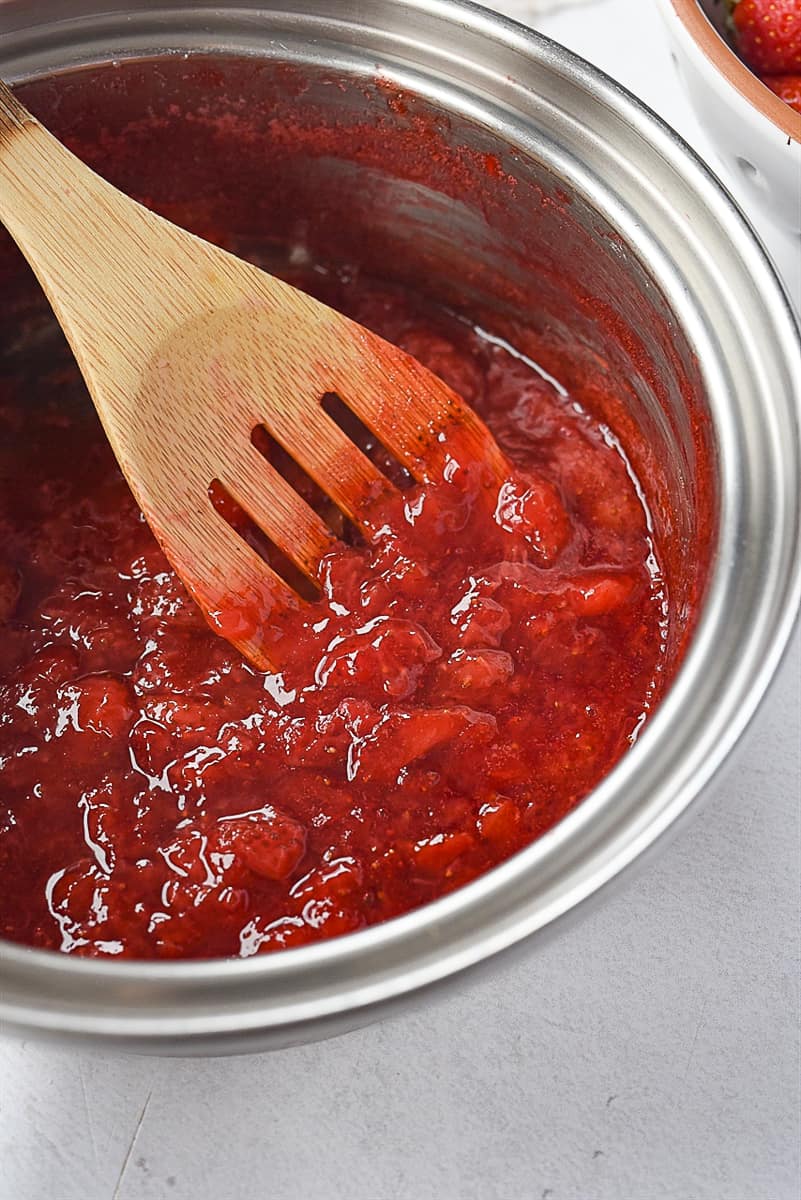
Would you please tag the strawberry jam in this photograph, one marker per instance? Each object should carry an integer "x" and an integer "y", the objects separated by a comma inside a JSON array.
[
  {"x": 457, "y": 681},
  {"x": 457, "y": 686}
]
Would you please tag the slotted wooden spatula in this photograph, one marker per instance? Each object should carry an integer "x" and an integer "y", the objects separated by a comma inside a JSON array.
[{"x": 186, "y": 350}]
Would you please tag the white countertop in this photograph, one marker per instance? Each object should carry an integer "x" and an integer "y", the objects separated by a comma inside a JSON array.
[{"x": 649, "y": 1051}]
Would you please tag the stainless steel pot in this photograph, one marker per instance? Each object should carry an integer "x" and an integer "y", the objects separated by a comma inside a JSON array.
[{"x": 609, "y": 199}]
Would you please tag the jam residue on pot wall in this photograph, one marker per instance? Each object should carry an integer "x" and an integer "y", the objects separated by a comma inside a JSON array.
[{"x": 457, "y": 687}]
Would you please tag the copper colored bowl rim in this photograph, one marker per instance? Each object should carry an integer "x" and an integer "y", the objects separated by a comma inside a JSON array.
[{"x": 740, "y": 76}]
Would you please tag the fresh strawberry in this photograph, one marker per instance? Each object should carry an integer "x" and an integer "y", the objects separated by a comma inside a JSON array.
[
  {"x": 769, "y": 34},
  {"x": 787, "y": 88}
]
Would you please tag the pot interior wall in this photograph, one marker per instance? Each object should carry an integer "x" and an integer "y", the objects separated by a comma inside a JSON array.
[{"x": 350, "y": 168}]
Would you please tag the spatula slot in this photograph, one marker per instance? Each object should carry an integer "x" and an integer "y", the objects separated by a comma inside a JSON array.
[
  {"x": 242, "y": 523},
  {"x": 355, "y": 429},
  {"x": 301, "y": 481}
]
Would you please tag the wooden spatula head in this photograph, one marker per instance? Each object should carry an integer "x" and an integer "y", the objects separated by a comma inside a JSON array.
[{"x": 186, "y": 350}]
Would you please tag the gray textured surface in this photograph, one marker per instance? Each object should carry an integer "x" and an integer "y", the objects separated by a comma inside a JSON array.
[{"x": 650, "y": 1051}]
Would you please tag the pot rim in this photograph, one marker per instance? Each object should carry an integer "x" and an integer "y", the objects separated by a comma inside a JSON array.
[{"x": 149, "y": 1003}]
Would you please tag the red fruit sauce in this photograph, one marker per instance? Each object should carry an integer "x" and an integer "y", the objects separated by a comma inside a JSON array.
[{"x": 458, "y": 686}]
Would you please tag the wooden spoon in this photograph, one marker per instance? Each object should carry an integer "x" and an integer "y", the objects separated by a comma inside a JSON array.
[{"x": 186, "y": 350}]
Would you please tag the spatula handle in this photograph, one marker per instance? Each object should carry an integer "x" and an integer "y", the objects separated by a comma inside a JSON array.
[
  {"x": 43, "y": 187},
  {"x": 13, "y": 115},
  {"x": 87, "y": 243}
]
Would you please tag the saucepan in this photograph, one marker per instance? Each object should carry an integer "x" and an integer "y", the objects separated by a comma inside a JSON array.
[{"x": 502, "y": 175}]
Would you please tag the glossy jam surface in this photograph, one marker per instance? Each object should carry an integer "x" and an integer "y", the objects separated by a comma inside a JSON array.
[{"x": 459, "y": 685}]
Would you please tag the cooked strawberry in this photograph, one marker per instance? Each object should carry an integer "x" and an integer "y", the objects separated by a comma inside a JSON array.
[
  {"x": 769, "y": 34},
  {"x": 329, "y": 919},
  {"x": 336, "y": 880},
  {"x": 98, "y": 704},
  {"x": 187, "y": 858},
  {"x": 385, "y": 649},
  {"x": 433, "y": 856},
  {"x": 597, "y": 592},
  {"x": 72, "y": 901},
  {"x": 320, "y": 920},
  {"x": 267, "y": 843},
  {"x": 787, "y": 88},
  {"x": 261, "y": 936},
  {"x": 531, "y": 507},
  {"x": 480, "y": 621},
  {"x": 469, "y": 676},
  {"x": 401, "y": 736},
  {"x": 498, "y": 821},
  {"x": 55, "y": 664}
]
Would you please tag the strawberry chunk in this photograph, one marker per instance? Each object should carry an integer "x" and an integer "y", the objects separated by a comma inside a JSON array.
[
  {"x": 187, "y": 722},
  {"x": 329, "y": 919},
  {"x": 401, "y": 736},
  {"x": 266, "y": 843},
  {"x": 233, "y": 851},
  {"x": 386, "y": 649},
  {"x": 596, "y": 593},
  {"x": 479, "y": 620},
  {"x": 262, "y": 937},
  {"x": 100, "y": 704},
  {"x": 499, "y": 821},
  {"x": 335, "y": 880},
  {"x": 434, "y": 856},
  {"x": 469, "y": 676},
  {"x": 185, "y": 662},
  {"x": 99, "y": 820},
  {"x": 79, "y": 899},
  {"x": 56, "y": 664},
  {"x": 188, "y": 858},
  {"x": 101, "y": 632},
  {"x": 532, "y": 509},
  {"x": 319, "y": 920},
  {"x": 325, "y": 742}
]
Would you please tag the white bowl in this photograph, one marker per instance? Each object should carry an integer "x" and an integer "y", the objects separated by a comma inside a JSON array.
[{"x": 756, "y": 134}]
